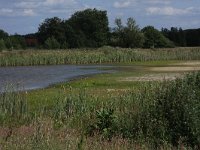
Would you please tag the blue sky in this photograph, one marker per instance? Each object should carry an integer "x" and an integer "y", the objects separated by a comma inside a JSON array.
[{"x": 24, "y": 16}]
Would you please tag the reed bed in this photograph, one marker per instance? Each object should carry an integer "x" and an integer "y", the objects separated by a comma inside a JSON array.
[{"x": 95, "y": 56}]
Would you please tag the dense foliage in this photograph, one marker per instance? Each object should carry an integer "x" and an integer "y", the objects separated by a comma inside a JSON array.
[
  {"x": 128, "y": 36},
  {"x": 11, "y": 42},
  {"x": 155, "y": 39},
  {"x": 91, "y": 27},
  {"x": 88, "y": 28},
  {"x": 180, "y": 37}
]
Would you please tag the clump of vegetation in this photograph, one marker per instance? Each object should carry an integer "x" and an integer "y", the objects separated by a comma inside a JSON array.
[{"x": 105, "y": 125}]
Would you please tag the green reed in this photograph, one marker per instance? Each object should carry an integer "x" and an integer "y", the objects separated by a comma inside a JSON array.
[{"x": 95, "y": 56}]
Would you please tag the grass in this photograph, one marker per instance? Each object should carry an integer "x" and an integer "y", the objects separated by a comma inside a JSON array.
[
  {"x": 139, "y": 115},
  {"x": 95, "y": 56}
]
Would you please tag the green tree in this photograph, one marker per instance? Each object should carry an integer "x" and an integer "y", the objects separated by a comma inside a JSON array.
[
  {"x": 127, "y": 36},
  {"x": 8, "y": 43},
  {"x": 2, "y": 45},
  {"x": 3, "y": 34},
  {"x": 155, "y": 39},
  {"x": 52, "y": 43},
  {"x": 91, "y": 27},
  {"x": 17, "y": 42},
  {"x": 51, "y": 27},
  {"x": 73, "y": 38}
]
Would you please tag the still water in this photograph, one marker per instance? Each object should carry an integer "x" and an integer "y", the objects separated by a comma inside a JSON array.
[{"x": 35, "y": 77}]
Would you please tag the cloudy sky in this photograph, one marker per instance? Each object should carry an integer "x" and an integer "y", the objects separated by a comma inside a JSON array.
[{"x": 24, "y": 16}]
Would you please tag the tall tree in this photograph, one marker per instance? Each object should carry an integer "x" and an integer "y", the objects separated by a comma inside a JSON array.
[
  {"x": 3, "y": 34},
  {"x": 91, "y": 26},
  {"x": 155, "y": 39},
  {"x": 127, "y": 36},
  {"x": 51, "y": 27}
]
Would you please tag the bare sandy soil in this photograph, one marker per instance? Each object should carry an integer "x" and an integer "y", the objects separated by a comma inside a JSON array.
[
  {"x": 175, "y": 69},
  {"x": 189, "y": 63},
  {"x": 166, "y": 73},
  {"x": 153, "y": 77}
]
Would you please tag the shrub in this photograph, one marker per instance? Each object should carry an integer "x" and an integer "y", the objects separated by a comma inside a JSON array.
[{"x": 105, "y": 124}]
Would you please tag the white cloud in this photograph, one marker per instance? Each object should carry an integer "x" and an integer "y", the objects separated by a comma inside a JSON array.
[
  {"x": 169, "y": 11},
  {"x": 122, "y": 4},
  {"x": 27, "y": 5},
  {"x": 5, "y": 11},
  {"x": 34, "y": 7},
  {"x": 28, "y": 12},
  {"x": 58, "y": 2},
  {"x": 12, "y": 12},
  {"x": 165, "y": 2}
]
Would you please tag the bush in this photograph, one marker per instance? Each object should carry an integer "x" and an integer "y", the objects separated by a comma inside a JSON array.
[{"x": 105, "y": 124}]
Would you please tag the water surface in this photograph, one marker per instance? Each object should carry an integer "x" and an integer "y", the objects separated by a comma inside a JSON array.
[{"x": 35, "y": 77}]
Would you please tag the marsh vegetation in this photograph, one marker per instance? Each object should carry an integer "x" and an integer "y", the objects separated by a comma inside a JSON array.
[
  {"x": 104, "y": 55},
  {"x": 108, "y": 111}
]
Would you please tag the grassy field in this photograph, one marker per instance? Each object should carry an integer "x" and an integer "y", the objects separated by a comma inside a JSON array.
[{"x": 141, "y": 106}]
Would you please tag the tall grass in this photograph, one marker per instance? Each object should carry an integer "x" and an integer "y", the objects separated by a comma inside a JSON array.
[
  {"x": 13, "y": 107},
  {"x": 96, "y": 56}
]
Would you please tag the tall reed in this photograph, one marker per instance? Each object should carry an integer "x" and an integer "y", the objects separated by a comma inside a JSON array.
[{"x": 96, "y": 56}]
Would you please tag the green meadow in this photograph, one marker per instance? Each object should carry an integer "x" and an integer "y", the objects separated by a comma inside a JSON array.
[{"x": 151, "y": 101}]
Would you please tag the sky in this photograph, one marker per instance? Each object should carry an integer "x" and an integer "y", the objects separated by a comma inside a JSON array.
[{"x": 24, "y": 16}]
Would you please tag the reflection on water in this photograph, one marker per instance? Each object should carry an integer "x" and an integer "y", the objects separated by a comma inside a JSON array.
[{"x": 34, "y": 77}]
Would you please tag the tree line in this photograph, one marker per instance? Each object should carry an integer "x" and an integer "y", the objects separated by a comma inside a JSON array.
[
  {"x": 90, "y": 28},
  {"x": 180, "y": 37}
]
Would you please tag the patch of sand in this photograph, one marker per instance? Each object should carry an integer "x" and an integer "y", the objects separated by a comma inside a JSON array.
[
  {"x": 153, "y": 77},
  {"x": 189, "y": 63},
  {"x": 174, "y": 69}
]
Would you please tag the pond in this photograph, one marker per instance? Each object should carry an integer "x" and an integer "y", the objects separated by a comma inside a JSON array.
[{"x": 35, "y": 77}]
